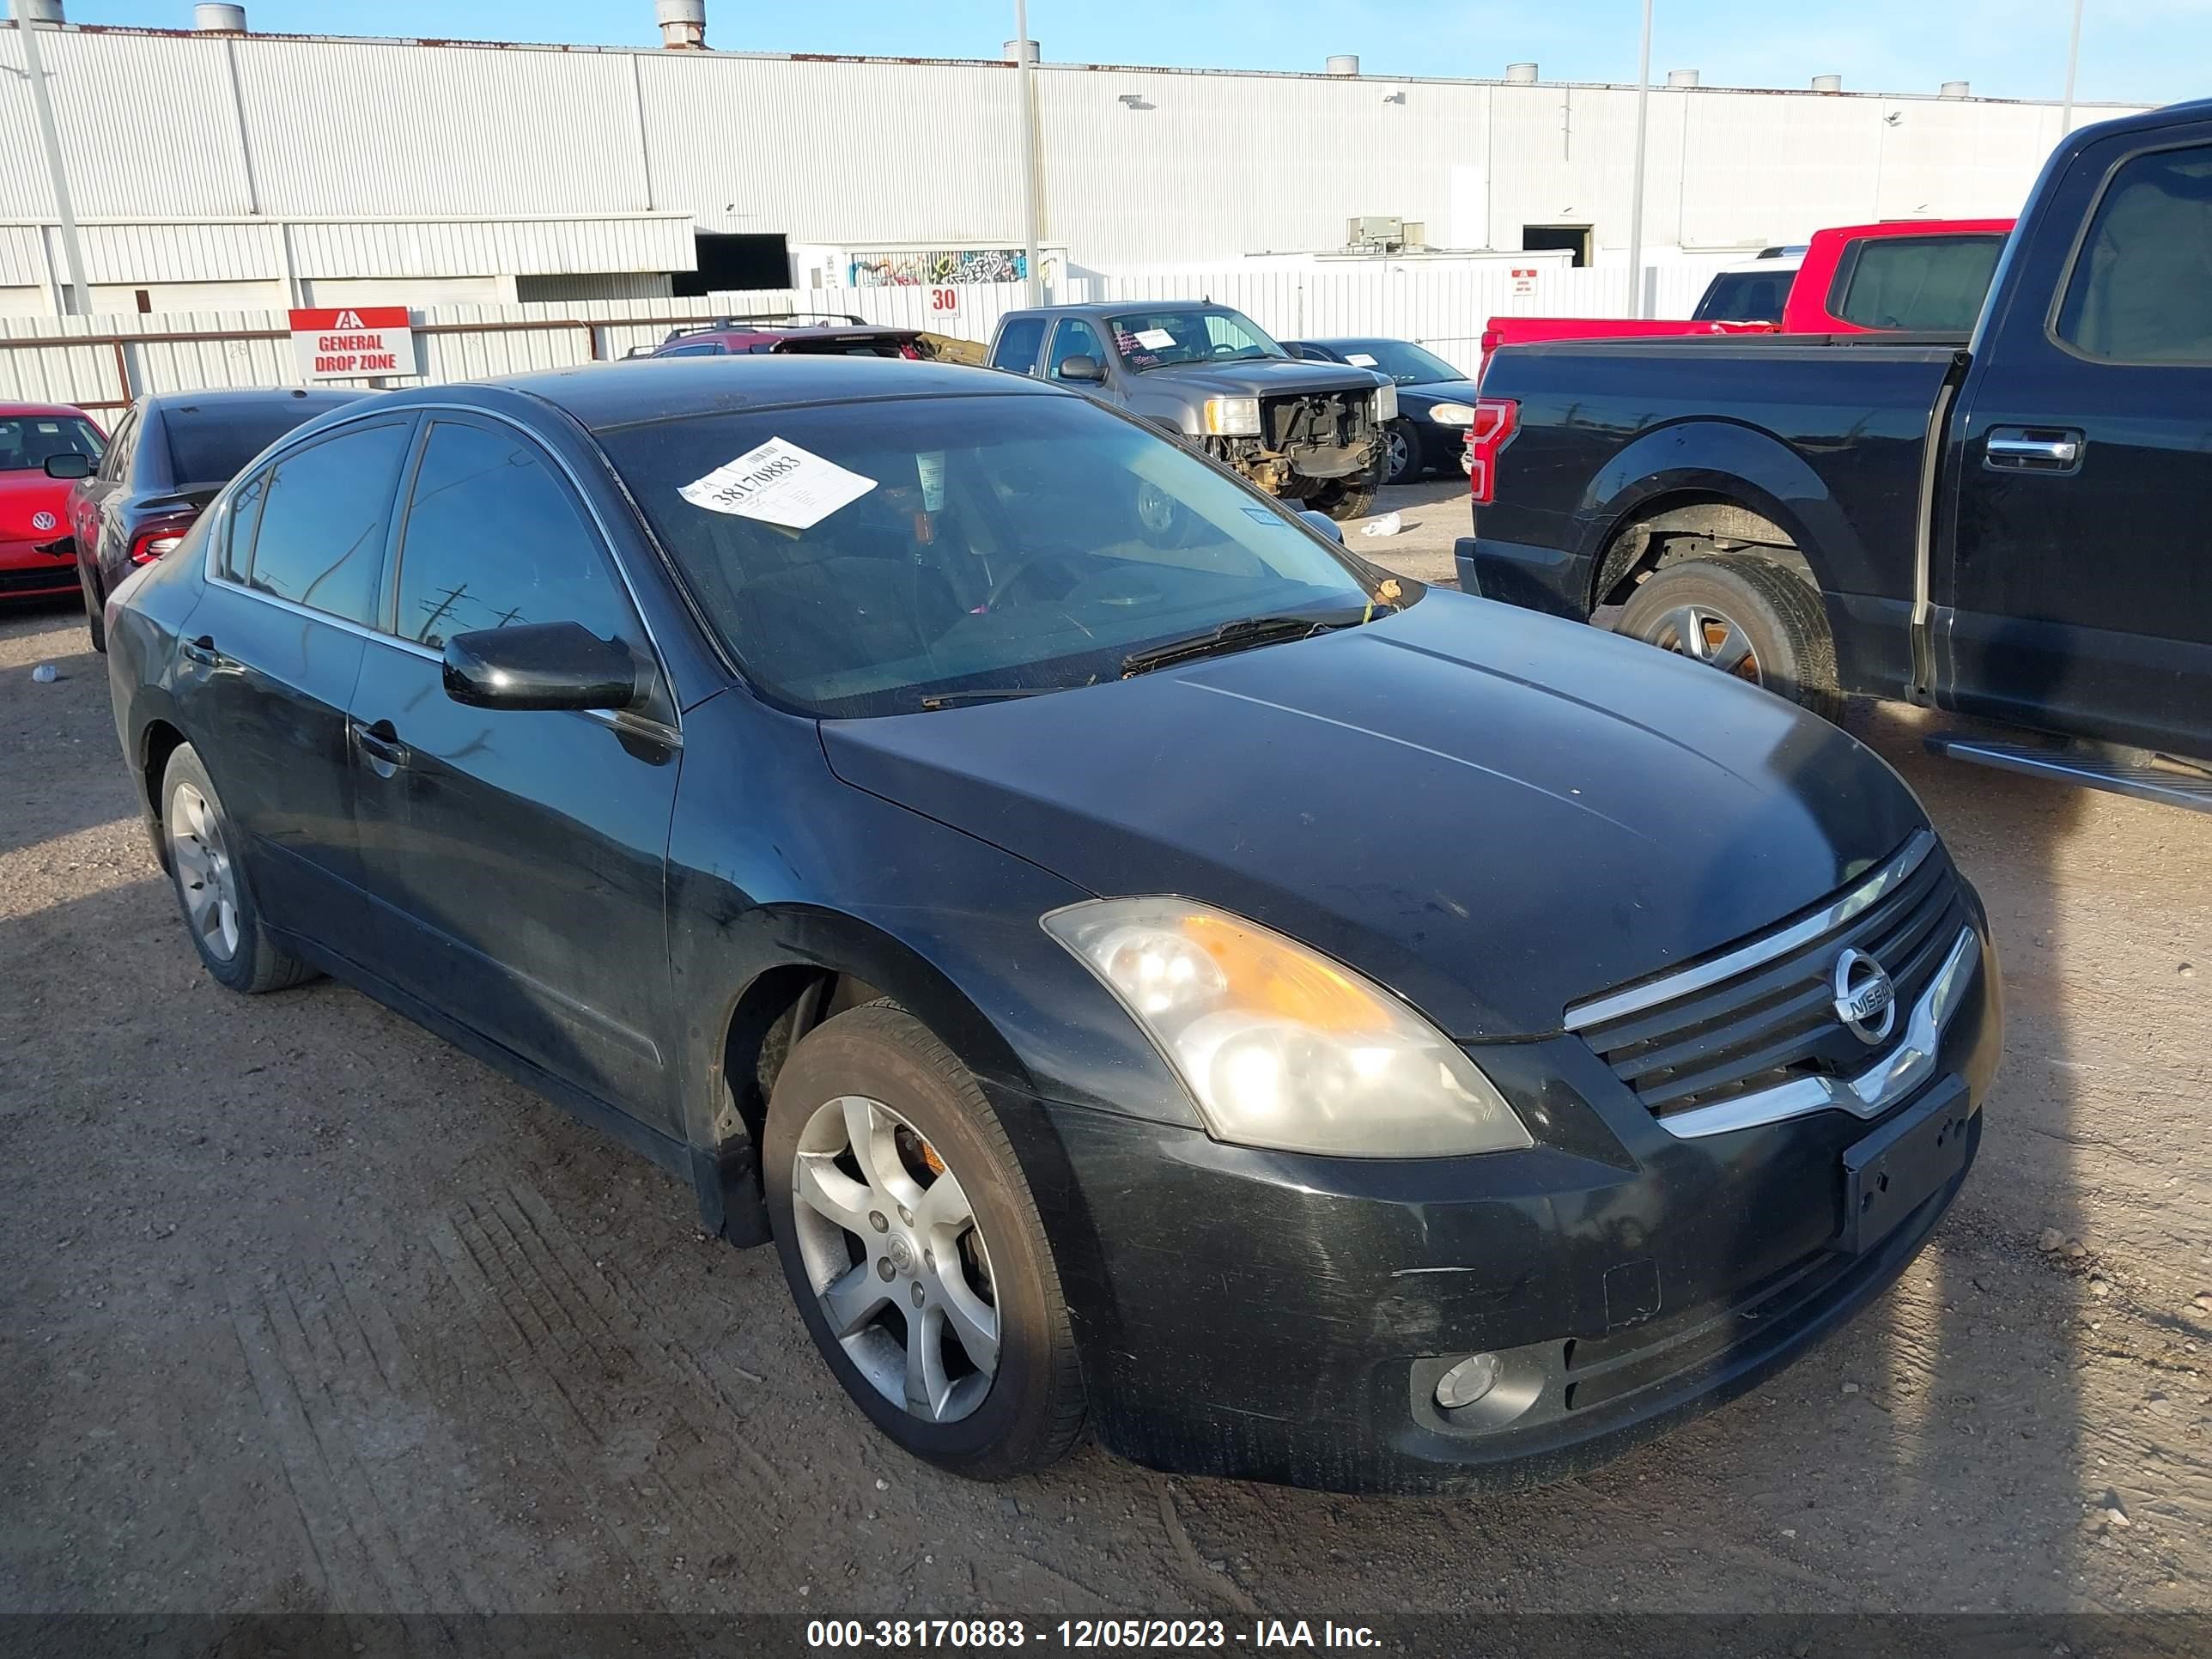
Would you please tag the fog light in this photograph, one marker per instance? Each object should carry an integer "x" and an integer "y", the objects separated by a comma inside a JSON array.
[{"x": 1467, "y": 1382}]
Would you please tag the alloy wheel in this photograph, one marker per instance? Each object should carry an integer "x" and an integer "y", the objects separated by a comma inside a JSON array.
[
  {"x": 1400, "y": 453},
  {"x": 1699, "y": 632},
  {"x": 893, "y": 1251},
  {"x": 205, "y": 876}
]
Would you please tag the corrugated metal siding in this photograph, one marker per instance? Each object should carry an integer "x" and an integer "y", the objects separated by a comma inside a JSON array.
[
  {"x": 181, "y": 253},
  {"x": 352, "y": 127},
  {"x": 874, "y": 155},
  {"x": 146, "y": 123},
  {"x": 21, "y": 265},
  {"x": 513, "y": 247}
]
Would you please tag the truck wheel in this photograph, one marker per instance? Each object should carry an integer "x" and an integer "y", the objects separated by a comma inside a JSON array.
[
  {"x": 1350, "y": 498},
  {"x": 1401, "y": 453},
  {"x": 1744, "y": 616}
]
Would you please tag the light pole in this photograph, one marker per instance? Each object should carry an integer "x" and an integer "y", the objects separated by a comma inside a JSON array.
[
  {"x": 2073, "y": 63},
  {"x": 1635, "y": 205},
  {"x": 1028, "y": 148},
  {"x": 78, "y": 300}
]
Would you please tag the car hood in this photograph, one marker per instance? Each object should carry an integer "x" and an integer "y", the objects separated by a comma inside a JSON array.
[
  {"x": 23, "y": 496},
  {"x": 1418, "y": 400},
  {"x": 1263, "y": 377},
  {"x": 1494, "y": 813}
]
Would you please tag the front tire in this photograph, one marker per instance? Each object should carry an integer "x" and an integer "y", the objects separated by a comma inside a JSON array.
[
  {"x": 1745, "y": 617},
  {"x": 913, "y": 1247},
  {"x": 204, "y": 848},
  {"x": 1345, "y": 499},
  {"x": 1401, "y": 453}
]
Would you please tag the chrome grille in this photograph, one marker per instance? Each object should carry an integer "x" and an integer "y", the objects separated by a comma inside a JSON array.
[{"x": 1760, "y": 1016}]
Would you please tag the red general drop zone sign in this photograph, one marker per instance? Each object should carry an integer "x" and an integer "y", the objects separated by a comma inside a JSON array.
[{"x": 350, "y": 342}]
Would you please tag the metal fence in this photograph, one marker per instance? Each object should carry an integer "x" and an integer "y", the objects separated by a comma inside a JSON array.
[{"x": 102, "y": 362}]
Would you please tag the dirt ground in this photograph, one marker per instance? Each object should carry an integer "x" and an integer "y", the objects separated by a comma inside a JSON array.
[{"x": 301, "y": 1310}]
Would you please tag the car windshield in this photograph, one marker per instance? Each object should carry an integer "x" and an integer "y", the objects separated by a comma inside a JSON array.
[
  {"x": 213, "y": 445},
  {"x": 1403, "y": 360},
  {"x": 27, "y": 440},
  {"x": 1188, "y": 334},
  {"x": 944, "y": 549}
]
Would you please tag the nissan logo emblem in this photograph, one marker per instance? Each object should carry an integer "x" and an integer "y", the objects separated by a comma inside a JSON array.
[{"x": 1866, "y": 1000}]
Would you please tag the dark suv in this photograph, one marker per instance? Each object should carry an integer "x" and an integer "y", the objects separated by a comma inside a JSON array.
[{"x": 832, "y": 333}]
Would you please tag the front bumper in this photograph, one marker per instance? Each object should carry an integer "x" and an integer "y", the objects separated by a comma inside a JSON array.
[
  {"x": 26, "y": 573},
  {"x": 1279, "y": 1317}
]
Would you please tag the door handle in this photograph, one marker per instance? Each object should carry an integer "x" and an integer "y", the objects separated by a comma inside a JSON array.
[
  {"x": 2031, "y": 449},
  {"x": 380, "y": 743},
  {"x": 203, "y": 652}
]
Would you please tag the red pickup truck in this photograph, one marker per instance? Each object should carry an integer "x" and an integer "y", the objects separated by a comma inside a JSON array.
[{"x": 1909, "y": 275}]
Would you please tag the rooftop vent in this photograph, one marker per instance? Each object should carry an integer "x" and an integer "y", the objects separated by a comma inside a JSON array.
[
  {"x": 1958, "y": 89},
  {"x": 683, "y": 24},
  {"x": 1344, "y": 63},
  {"x": 1012, "y": 51},
  {"x": 219, "y": 20},
  {"x": 1681, "y": 77},
  {"x": 1827, "y": 83},
  {"x": 38, "y": 11},
  {"x": 1521, "y": 75}
]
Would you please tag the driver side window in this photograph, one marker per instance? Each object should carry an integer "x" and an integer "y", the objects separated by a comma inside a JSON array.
[{"x": 1074, "y": 338}]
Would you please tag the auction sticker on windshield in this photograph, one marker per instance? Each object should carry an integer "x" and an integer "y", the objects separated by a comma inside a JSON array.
[
  {"x": 780, "y": 483},
  {"x": 1155, "y": 339}
]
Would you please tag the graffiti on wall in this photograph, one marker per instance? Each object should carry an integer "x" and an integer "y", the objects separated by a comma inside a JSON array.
[{"x": 939, "y": 267}]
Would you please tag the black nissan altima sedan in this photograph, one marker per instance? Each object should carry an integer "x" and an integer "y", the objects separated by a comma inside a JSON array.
[{"x": 1141, "y": 967}]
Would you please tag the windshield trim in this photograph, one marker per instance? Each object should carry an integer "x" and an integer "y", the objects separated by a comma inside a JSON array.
[{"x": 1389, "y": 593}]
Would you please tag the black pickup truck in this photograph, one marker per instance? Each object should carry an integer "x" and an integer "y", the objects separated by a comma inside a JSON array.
[{"x": 2016, "y": 527}]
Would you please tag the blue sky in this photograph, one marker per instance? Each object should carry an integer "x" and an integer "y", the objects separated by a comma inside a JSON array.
[{"x": 2133, "y": 51}]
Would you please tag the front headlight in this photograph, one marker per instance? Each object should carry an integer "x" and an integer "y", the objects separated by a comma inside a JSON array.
[
  {"x": 1232, "y": 417},
  {"x": 1280, "y": 1046},
  {"x": 1452, "y": 414},
  {"x": 1386, "y": 403}
]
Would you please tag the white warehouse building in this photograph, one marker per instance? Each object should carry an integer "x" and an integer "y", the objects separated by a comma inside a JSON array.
[{"x": 218, "y": 168}]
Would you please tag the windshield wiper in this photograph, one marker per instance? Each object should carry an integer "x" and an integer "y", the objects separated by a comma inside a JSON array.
[
  {"x": 988, "y": 694},
  {"x": 1242, "y": 634}
]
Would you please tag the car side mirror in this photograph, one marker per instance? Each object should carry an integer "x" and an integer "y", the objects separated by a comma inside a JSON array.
[
  {"x": 561, "y": 665},
  {"x": 71, "y": 466},
  {"x": 1081, "y": 367},
  {"x": 1327, "y": 526}
]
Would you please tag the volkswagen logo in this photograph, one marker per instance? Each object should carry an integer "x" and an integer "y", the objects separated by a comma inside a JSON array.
[
  {"x": 44, "y": 521},
  {"x": 1866, "y": 1000}
]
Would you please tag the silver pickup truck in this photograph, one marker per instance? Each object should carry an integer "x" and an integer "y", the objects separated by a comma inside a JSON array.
[{"x": 1308, "y": 432}]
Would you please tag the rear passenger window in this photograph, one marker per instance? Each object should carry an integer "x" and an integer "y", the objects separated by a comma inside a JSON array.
[
  {"x": 1917, "y": 284},
  {"x": 245, "y": 519},
  {"x": 2139, "y": 293},
  {"x": 323, "y": 511},
  {"x": 494, "y": 538},
  {"x": 1017, "y": 345}
]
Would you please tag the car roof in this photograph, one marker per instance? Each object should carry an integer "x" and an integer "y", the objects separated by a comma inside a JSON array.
[
  {"x": 242, "y": 400},
  {"x": 42, "y": 411},
  {"x": 621, "y": 393},
  {"x": 1116, "y": 307},
  {"x": 758, "y": 331}
]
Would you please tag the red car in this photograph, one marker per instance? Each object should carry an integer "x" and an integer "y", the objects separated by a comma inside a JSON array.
[
  {"x": 1920, "y": 275},
  {"x": 34, "y": 507}
]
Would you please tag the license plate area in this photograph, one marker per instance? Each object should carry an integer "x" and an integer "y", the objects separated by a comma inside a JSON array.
[{"x": 1898, "y": 1168}]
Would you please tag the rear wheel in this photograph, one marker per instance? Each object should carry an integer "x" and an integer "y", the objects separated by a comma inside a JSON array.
[
  {"x": 212, "y": 891},
  {"x": 95, "y": 609},
  {"x": 1745, "y": 617},
  {"x": 913, "y": 1247}
]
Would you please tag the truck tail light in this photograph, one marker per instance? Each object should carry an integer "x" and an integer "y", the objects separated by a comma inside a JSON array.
[
  {"x": 154, "y": 540},
  {"x": 1491, "y": 339},
  {"x": 1496, "y": 419}
]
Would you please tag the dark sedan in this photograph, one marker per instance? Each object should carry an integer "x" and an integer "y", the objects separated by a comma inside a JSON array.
[
  {"x": 170, "y": 454},
  {"x": 1436, "y": 402},
  {"x": 1304, "y": 1025}
]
